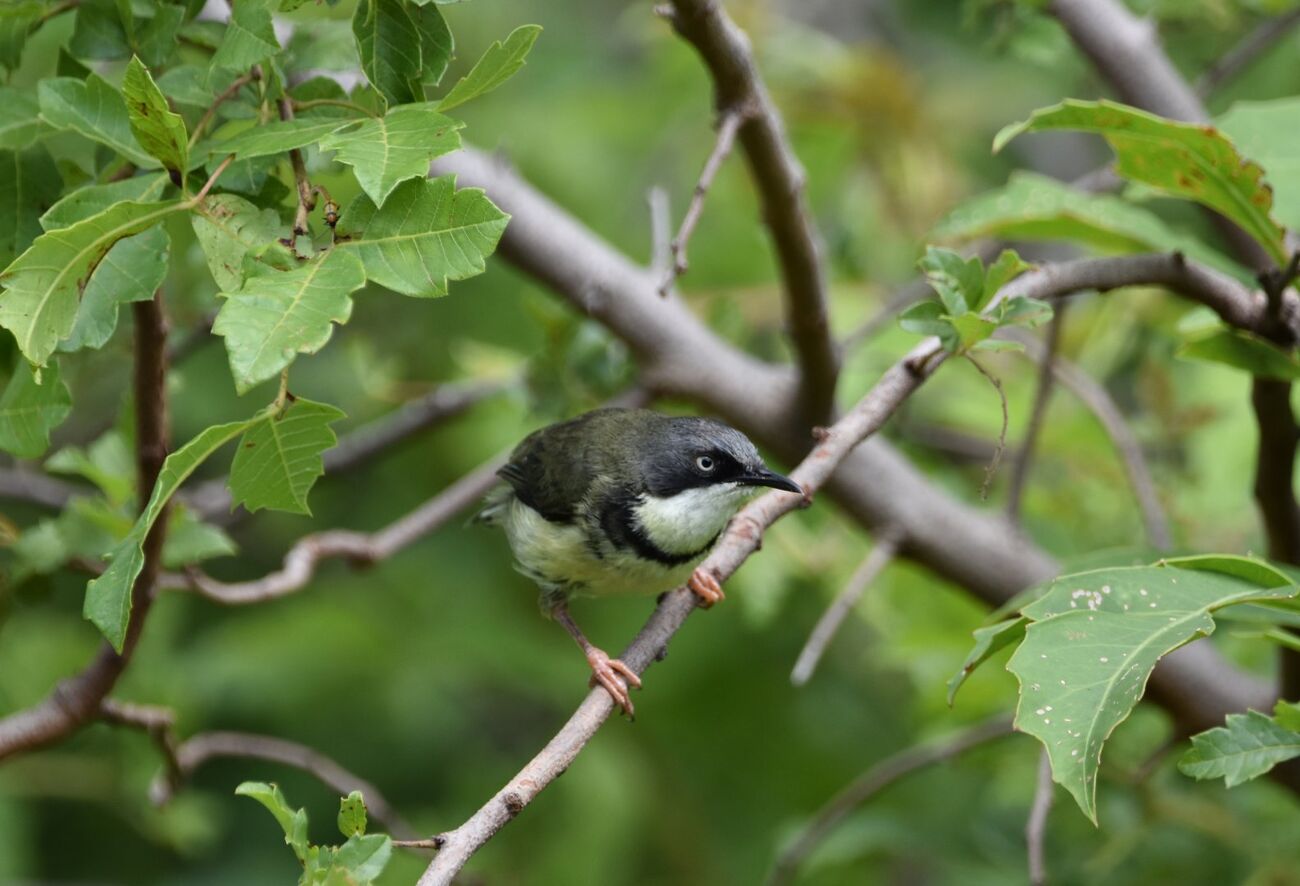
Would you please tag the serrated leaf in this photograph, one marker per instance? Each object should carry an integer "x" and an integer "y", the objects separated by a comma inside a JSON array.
[
  {"x": 230, "y": 230},
  {"x": 155, "y": 39},
  {"x": 279, "y": 458},
  {"x": 249, "y": 36},
  {"x": 386, "y": 151},
  {"x": 94, "y": 199},
  {"x": 352, "y": 815},
  {"x": 364, "y": 857},
  {"x": 1262, "y": 131},
  {"x": 265, "y": 139},
  {"x": 426, "y": 234},
  {"x": 43, "y": 285},
  {"x": 280, "y": 314},
  {"x": 94, "y": 109},
  {"x": 1196, "y": 162},
  {"x": 292, "y": 821},
  {"x": 389, "y": 45},
  {"x": 1004, "y": 269},
  {"x": 1246, "y": 747},
  {"x": 29, "y": 184},
  {"x": 98, "y": 32},
  {"x": 157, "y": 128},
  {"x": 1035, "y": 207},
  {"x": 1023, "y": 311},
  {"x": 989, "y": 640},
  {"x": 29, "y": 411},
  {"x": 131, "y": 271},
  {"x": 1243, "y": 350},
  {"x": 108, "y": 597},
  {"x": 498, "y": 64},
  {"x": 1093, "y": 641},
  {"x": 928, "y": 318},
  {"x": 972, "y": 328},
  {"x": 958, "y": 281},
  {"x": 20, "y": 122}
]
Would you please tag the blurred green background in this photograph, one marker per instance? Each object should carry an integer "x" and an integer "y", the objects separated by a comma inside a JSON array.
[{"x": 433, "y": 674}]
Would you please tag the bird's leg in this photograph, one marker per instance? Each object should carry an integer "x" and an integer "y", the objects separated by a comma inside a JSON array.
[
  {"x": 608, "y": 672},
  {"x": 704, "y": 584}
]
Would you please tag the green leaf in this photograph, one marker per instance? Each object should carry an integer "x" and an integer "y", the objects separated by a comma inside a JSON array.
[
  {"x": 108, "y": 597},
  {"x": 107, "y": 463},
  {"x": 249, "y": 37},
  {"x": 292, "y": 821},
  {"x": 1195, "y": 162},
  {"x": 1023, "y": 311},
  {"x": 158, "y": 129},
  {"x": 386, "y": 151},
  {"x": 1093, "y": 641},
  {"x": 280, "y": 314},
  {"x": 16, "y": 20},
  {"x": 1243, "y": 350},
  {"x": 928, "y": 318},
  {"x": 29, "y": 183},
  {"x": 232, "y": 230},
  {"x": 352, "y": 815},
  {"x": 43, "y": 285},
  {"x": 1246, "y": 747},
  {"x": 94, "y": 109},
  {"x": 30, "y": 410},
  {"x": 364, "y": 857},
  {"x": 190, "y": 540},
  {"x": 1006, "y": 268},
  {"x": 265, "y": 139},
  {"x": 279, "y": 458},
  {"x": 497, "y": 65},
  {"x": 436, "y": 44},
  {"x": 389, "y": 45},
  {"x": 989, "y": 640},
  {"x": 132, "y": 271},
  {"x": 1287, "y": 714},
  {"x": 20, "y": 122},
  {"x": 1251, "y": 569},
  {"x": 98, "y": 33},
  {"x": 94, "y": 199},
  {"x": 958, "y": 281},
  {"x": 155, "y": 39},
  {"x": 425, "y": 234},
  {"x": 1262, "y": 130},
  {"x": 972, "y": 328}
]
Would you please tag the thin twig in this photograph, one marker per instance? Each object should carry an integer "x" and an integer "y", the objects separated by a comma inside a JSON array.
[
  {"x": 780, "y": 179},
  {"x": 302, "y": 559},
  {"x": 212, "y": 180},
  {"x": 306, "y": 196},
  {"x": 1095, "y": 397},
  {"x": 226, "y": 94},
  {"x": 1036, "y": 825},
  {"x": 728, "y": 125},
  {"x": 1037, "y": 415},
  {"x": 992, "y": 469},
  {"x": 1249, "y": 50},
  {"x": 192, "y": 753},
  {"x": 661, "y": 233},
  {"x": 872, "y": 565},
  {"x": 873, "y": 781}
]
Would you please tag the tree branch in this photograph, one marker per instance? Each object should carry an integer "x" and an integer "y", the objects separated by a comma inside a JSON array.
[
  {"x": 364, "y": 548},
  {"x": 739, "y": 88},
  {"x": 872, "y": 565},
  {"x": 1036, "y": 825},
  {"x": 1037, "y": 415},
  {"x": 873, "y": 781},
  {"x": 1240, "y": 57},
  {"x": 76, "y": 700},
  {"x": 728, "y": 125}
]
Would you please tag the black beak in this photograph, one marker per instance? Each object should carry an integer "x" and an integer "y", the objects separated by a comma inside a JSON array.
[{"x": 764, "y": 477}]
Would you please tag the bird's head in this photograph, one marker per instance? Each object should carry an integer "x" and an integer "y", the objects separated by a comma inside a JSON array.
[{"x": 697, "y": 453}]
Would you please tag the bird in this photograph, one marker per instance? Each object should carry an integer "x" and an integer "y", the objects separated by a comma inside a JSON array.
[{"x": 623, "y": 501}]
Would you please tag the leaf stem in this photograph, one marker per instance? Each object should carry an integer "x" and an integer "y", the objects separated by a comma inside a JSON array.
[
  {"x": 207, "y": 185},
  {"x": 229, "y": 92}
]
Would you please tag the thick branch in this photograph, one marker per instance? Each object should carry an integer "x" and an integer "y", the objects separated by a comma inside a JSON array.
[
  {"x": 872, "y": 782},
  {"x": 359, "y": 547},
  {"x": 739, "y": 88},
  {"x": 76, "y": 700}
]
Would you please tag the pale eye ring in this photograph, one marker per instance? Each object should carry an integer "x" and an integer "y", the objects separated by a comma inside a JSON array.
[{"x": 705, "y": 463}]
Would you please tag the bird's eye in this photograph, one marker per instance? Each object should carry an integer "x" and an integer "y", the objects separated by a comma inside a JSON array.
[{"x": 705, "y": 463}]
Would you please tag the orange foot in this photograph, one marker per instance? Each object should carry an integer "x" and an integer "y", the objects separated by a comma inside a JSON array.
[
  {"x": 614, "y": 676},
  {"x": 706, "y": 588}
]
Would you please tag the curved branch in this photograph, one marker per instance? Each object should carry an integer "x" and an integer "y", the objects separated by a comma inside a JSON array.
[
  {"x": 739, "y": 89},
  {"x": 359, "y": 547},
  {"x": 1037, "y": 414},
  {"x": 875, "y": 780},
  {"x": 1036, "y": 825},
  {"x": 1241, "y": 56}
]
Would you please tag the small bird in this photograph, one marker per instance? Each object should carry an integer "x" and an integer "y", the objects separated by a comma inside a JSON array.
[{"x": 623, "y": 501}]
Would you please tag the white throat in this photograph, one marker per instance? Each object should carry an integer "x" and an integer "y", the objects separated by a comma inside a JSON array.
[{"x": 686, "y": 522}]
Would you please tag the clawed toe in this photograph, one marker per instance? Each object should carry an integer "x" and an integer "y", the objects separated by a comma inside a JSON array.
[
  {"x": 706, "y": 588},
  {"x": 615, "y": 677}
]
